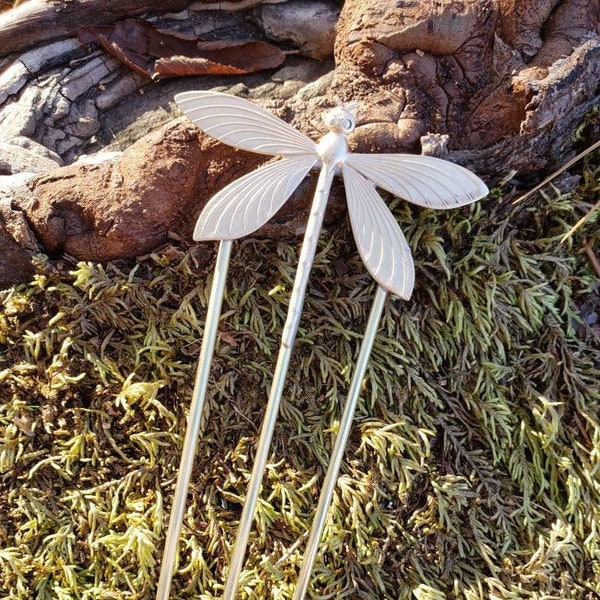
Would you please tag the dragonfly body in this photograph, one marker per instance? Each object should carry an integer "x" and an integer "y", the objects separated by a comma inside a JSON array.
[
  {"x": 333, "y": 146},
  {"x": 246, "y": 204},
  {"x": 332, "y": 150}
]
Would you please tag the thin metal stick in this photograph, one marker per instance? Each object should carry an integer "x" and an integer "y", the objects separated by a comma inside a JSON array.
[
  {"x": 307, "y": 255},
  {"x": 194, "y": 419},
  {"x": 337, "y": 455},
  {"x": 558, "y": 171}
]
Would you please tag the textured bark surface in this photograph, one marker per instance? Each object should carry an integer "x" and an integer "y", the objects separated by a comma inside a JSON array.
[
  {"x": 496, "y": 86},
  {"x": 17, "y": 244},
  {"x": 490, "y": 84},
  {"x": 144, "y": 192},
  {"x": 40, "y": 20}
]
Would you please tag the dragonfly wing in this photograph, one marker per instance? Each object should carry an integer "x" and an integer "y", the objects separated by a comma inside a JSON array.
[
  {"x": 380, "y": 242},
  {"x": 422, "y": 180},
  {"x": 250, "y": 201},
  {"x": 242, "y": 124}
]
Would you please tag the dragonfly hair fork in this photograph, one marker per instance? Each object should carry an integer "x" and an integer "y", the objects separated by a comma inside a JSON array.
[{"x": 248, "y": 203}]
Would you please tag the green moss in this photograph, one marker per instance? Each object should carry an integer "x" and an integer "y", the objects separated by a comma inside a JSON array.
[{"x": 473, "y": 470}]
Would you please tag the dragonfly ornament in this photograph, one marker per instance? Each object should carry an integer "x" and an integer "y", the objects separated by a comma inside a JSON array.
[{"x": 244, "y": 206}]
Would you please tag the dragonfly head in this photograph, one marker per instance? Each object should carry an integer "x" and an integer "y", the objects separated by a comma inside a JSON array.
[{"x": 340, "y": 119}]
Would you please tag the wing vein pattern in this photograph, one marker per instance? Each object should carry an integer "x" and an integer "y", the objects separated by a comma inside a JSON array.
[
  {"x": 249, "y": 202},
  {"x": 238, "y": 122},
  {"x": 423, "y": 180},
  {"x": 379, "y": 239}
]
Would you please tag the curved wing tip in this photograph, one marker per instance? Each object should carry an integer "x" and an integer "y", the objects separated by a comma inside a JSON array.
[
  {"x": 194, "y": 95},
  {"x": 405, "y": 288},
  {"x": 479, "y": 192},
  {"x": 483, "y": 190},
  {"x": 405, "y": 295},
  {"x": 405, "y": 292},
  {"x": 202, "y": 235},
  {"x": 401, "y": 286},
  {"x": 183, "y": 96}
]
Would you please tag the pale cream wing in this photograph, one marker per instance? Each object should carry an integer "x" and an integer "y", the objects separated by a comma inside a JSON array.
[
  {"x": 422, "y": 180},
  {"x": 249, "y": 202},
  {"x": 242, "y": 124},
  {"x": 380, "y": 242}
]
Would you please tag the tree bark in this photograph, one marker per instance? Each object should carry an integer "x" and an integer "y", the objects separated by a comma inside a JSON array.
[
  {"x": 496, "y": 86},
  {"x": 38, "y": 21}
]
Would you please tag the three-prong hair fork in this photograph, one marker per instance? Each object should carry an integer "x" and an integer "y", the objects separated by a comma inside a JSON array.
[{"x": 248, "y": 203}]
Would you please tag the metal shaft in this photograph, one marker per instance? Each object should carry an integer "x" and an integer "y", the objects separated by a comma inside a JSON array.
[
  {"x": 330, "y": 481},
  {"x": 307, "y": 254},
  {"x": 194, "y": 419}
]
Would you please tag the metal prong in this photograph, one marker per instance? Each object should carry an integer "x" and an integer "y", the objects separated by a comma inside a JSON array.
[
  {"x": 337, "y": 455},
  {"x": 290, "y": 329},
  {"x": 194, "y": 419}
]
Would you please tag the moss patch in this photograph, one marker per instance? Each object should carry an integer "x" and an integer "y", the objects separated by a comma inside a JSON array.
[{"x": 473, "y": 470}]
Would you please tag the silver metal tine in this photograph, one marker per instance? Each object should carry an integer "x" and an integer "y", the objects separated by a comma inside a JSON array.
[
  {"x": 246, "y": 204},
  {"x": 194, "y": 420},
  {"x": 312, "y": 546},
  {"x": 290, "y": 329}
]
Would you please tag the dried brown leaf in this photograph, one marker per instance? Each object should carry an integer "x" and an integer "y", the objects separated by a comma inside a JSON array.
[{"x": 158, "y": 54}]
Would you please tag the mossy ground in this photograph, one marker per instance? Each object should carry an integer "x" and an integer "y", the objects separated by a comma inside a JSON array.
[{"x": 473, "y": 470}]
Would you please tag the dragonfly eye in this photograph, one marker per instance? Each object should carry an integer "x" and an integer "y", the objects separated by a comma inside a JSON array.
[
  {"x": 347, "y": 124},
  {"x": 339, "y": 120},
  {"x": 330, "y": 119}
]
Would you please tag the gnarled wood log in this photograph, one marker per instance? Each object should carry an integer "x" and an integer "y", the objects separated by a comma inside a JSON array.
[
  {"x": 497, "y": 86},
  {"x": 37, "y": 21},
  {"x": 470, "y": 80}
]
